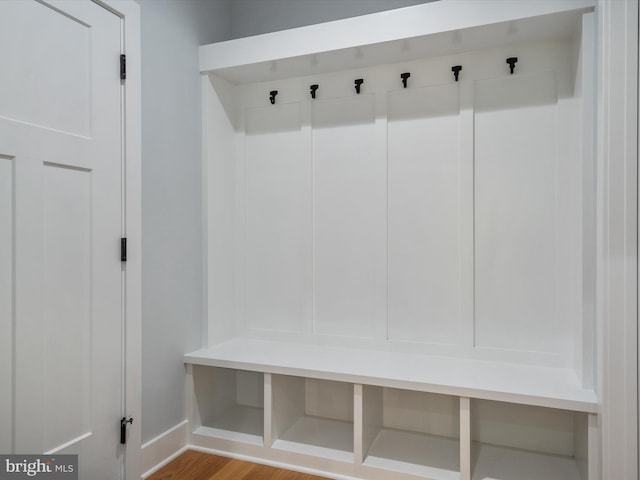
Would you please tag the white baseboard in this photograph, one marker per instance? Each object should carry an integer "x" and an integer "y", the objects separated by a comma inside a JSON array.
[
  {"x": 159, "y": 451},
  {"x": 271, "y": 463}
]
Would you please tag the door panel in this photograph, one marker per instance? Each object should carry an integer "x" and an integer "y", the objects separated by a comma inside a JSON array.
[
  {"x": 67, "y": 315},
  {"x": 41, "y": 97},
  {"x": 61, "y": 169}
]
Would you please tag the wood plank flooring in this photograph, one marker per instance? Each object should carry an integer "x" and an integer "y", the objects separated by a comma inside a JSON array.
[{"x": 193, "y": 465}]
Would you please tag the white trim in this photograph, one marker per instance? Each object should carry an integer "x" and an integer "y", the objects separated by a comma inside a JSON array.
[
  {"x": 271, "y": 463},
  {"x": 617, "y": 263},
  {"x": 466, "y": 462},
  {"x": 204, "y": 99},
  {"x": 545, "y": 386},
  {"x": 166, "y": 461},
  {"x": 164, "y": 448},
  {"x": 71, "y": 442},
  {"x": 129, "y": 11},
  {"x": 418, "y": 20}
]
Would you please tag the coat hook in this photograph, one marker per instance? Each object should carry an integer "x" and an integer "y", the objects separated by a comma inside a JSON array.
[
  {"x": 313, "y": 90},
  {"x": 404, "y": 77},
  {"x": 512, "y": 63},
  {"x": 456, "y": 71},
  {"x": 358, "y": 83},
  {"x": 272, "y": 96}
]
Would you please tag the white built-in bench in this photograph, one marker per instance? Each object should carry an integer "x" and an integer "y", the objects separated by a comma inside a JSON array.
[{"x": 365, "y": 413}]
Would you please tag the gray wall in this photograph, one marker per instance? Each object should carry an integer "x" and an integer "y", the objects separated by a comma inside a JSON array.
[
  {"x": 171, "y": 172},
  {"x": 172, "y": 197},
  {"x": 251, "y": 17}
]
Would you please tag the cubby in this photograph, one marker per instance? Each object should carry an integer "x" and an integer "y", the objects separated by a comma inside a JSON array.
[
  {"x": 230, "y": 404},
  {"x": 409, "y": 268},
  {"x": 412, "y": 432},
  {"x": 521, "y": 442},
  {"x": 313, "y": 417}
]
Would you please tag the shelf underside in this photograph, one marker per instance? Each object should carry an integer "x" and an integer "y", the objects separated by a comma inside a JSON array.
[
  {"x": 321, "y": 437},
  {"x": 415, "y": 453}
]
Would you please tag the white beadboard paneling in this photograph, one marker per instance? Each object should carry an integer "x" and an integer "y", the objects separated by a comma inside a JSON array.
[
  {"x": 424, "y": 214},
  {"x": 6, "y": 303},
  {"x": 516, "y": 200},
  {"x": 278, "y": 176},
  {"x": 68, "y": 316},
  {"x": 349, "y": 218}
]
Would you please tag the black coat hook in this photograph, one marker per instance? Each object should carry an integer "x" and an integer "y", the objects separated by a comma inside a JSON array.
[
  {"x": 272, "y": 96},
  {"x": 358, "y": 82},
  {"x": 404, "y": 77},
  {"x": 313, "y": 90},
  {"x": 456, "y": 71},
  {"x": 512, "y": 63}
]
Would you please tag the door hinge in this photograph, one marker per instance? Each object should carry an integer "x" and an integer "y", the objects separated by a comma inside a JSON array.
[
  {"x": 123, "y": 249},
  {"x": 123, "y": 67},
  {"x": 123, "y": 429}
]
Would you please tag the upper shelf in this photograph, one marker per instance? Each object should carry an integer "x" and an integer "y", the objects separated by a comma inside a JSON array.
[
  {"x": 433, "y": 29},
  {"x": 530, "y": 385}
]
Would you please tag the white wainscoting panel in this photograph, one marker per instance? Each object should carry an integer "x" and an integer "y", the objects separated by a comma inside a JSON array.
[
  {"x": 516, "y": 131},
  {"x": 424, "y": 214},
  {"x": 349, "y": 218},
  {"x": 279, "y": 226}
]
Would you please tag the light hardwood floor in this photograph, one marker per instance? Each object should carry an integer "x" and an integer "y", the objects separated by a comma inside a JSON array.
[{"x": 202, "y": 466}]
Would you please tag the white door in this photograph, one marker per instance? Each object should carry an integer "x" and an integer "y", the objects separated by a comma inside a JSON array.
[{"x": 61, "y": 300}]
